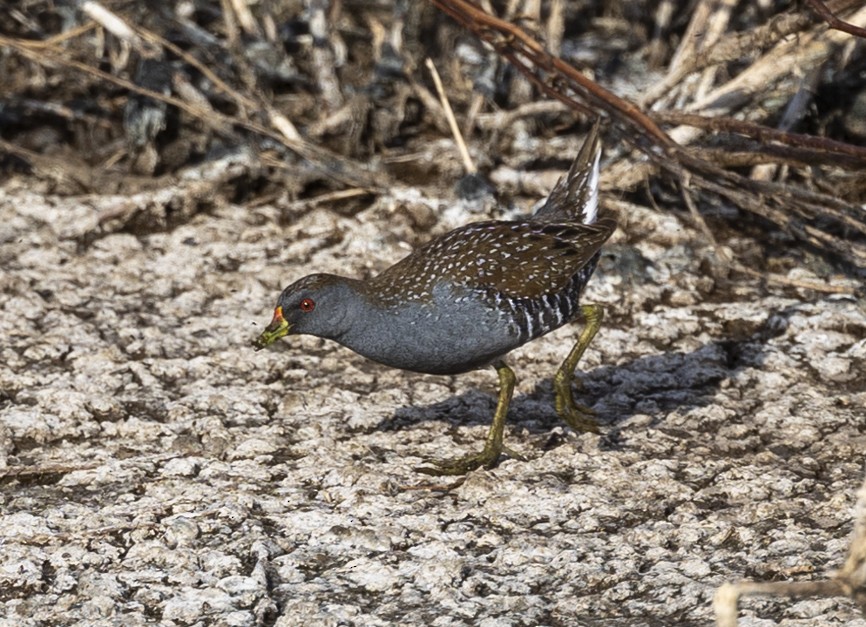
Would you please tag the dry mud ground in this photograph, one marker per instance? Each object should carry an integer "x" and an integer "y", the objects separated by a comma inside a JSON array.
[{"x": 155, "y": 469}]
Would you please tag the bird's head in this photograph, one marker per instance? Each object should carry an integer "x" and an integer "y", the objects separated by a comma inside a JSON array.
[{"x": 315, "y": 305}]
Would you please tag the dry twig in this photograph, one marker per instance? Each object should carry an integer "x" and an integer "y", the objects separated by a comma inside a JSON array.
[
  {"x": 468, "y": 165},
  {"x": 793, "y": 208},
  {"x": 849, "y": 581}
]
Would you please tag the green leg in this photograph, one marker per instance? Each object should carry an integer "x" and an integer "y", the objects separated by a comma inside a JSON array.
[
  {"x": 493, "y": 448},
  {"x": 578, "y": 417}
]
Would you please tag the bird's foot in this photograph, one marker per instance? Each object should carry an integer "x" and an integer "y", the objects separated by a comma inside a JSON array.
[
  {"x": 488, "y": 457},
  {"x": 579, "y": 417}
]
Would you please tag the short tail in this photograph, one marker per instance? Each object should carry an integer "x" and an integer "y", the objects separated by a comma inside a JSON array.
[{"x": 575, "y": 197}]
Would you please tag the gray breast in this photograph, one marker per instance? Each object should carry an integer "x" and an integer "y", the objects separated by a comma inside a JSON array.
[{"x": 452, "y": 332}]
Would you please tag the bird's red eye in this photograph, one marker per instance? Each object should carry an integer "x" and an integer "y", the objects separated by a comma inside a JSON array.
[{"x": 308, "y": 304}]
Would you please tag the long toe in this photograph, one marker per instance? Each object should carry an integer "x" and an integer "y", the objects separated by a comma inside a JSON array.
[
  {"x": 579, "y": 418},
  {"x": 487, "y": 458},
  {"x": 586, "y": 411}
]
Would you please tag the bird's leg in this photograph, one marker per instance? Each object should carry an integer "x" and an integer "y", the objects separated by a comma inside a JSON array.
[
  {"x": 493, "y": 447},
  {"x": 578, "y": 417}
]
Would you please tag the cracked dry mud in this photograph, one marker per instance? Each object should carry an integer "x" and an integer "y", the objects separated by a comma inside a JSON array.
[{"x": 156, "y": 469}]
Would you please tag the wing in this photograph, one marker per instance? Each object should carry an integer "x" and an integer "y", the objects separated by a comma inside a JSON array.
[{"x": 522, "y": 259}]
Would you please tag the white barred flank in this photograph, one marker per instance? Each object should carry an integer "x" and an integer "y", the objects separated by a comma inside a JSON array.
[{"x": 534, "y": 317}]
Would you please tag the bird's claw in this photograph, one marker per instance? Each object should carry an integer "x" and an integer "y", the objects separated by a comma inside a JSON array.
[
  {"x": 579, "y": 417},
  {"x": 486, "y": 458}
]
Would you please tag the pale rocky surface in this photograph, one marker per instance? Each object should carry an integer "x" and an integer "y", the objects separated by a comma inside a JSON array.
[{"x": 157, "y": 470}]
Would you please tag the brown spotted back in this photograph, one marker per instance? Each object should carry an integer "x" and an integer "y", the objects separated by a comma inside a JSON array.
[{"x": 518, "y": 259}]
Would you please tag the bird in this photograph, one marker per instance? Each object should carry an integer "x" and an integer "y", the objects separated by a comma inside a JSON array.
[{"x": 467, "y": 298}]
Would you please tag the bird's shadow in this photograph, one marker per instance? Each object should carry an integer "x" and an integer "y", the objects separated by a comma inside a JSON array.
[{"x": 653, "y": 385}]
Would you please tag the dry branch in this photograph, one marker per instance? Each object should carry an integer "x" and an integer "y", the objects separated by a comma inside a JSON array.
[
  {"x": 849, "y": 581},
  {"x": 280, "y": 129},
  {"x": 819, "y": 219}
]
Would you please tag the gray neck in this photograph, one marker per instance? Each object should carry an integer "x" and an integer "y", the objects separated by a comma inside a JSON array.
[
  {"x": 362, "y": 326},
  {"x": 352, "y": 311}
]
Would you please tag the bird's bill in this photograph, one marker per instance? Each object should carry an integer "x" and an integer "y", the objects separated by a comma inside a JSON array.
[{"x": 275, "y": 330}]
